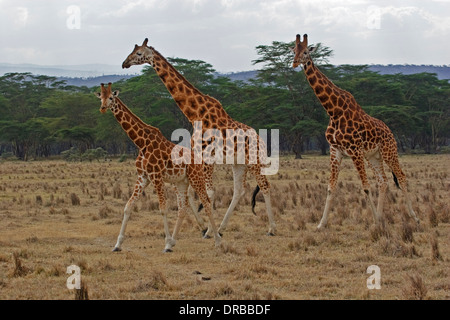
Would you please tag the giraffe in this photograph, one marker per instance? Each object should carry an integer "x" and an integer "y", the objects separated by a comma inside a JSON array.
[
  {"x": 352, "y": 132},
  {"x": 197, "y": 106},
  {"x": 156, "y": 164}
]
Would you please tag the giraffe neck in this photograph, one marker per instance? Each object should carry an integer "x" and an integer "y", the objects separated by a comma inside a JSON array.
[
  {"x": 138, "y": 131},
  {"x": 334, "y": 99},
  {"x": 195, "y": 105}
]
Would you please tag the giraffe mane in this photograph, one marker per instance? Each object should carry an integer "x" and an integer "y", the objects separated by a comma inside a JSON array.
[{"x": 190, "y": 85}]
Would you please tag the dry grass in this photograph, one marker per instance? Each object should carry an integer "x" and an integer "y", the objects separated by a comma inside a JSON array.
[{"x": 55, "y": 214}]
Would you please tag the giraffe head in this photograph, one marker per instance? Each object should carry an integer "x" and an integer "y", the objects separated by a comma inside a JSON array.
[
  {"x": 107, "y": 96},
  {"x": 140, "y": 55},
  {"x": 301, "y": 50}
]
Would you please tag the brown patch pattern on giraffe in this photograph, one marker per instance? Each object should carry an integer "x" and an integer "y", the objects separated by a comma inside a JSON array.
[
  {"x": 353, "y": 133},
  {"x": 197, "y": 106},
  {"x": 155, "y": 164}
]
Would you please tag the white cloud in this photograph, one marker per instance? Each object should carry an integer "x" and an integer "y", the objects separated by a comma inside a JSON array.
[
  {"x": 226, "y": 32},
  {"x": 20, "y": 16}
]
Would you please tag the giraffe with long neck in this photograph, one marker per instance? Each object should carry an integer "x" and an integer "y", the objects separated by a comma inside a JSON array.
[
  {"x": 157, "y": 164},
  {"x": 352, "y": 132},
  {"x": 198, "y": 107}
]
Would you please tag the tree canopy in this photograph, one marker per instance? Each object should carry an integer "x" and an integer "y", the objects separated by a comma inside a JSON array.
[{"x": 41, "y": 116}]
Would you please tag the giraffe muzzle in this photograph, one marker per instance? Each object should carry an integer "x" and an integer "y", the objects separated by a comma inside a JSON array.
[{"x": 125, "y": 65}]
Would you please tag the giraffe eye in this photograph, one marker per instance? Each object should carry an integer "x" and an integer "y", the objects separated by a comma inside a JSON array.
[
  {"x": 139, "y": 54},
  {"x": 110, "y": 98}
]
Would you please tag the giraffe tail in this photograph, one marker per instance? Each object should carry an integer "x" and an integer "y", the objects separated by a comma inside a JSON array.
[
  {"x": 200, "y": 207},
  {"x": 396, "y": 180},
  {"x": 254, "y": 199}
]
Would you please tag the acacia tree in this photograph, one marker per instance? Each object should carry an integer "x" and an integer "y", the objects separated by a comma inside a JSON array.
[
  {"x": 21, "y": 125},
  {"x": 295, "y": 110}
]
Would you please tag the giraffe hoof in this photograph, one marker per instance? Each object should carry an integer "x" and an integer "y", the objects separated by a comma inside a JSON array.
[
  {"x": 116, "y": 249},
  {"x": 206, "y": 236},
  {"x": 167, "y": 250},
  {"x": 270, "y": 234},
  {"x": 204, "y": 231}
]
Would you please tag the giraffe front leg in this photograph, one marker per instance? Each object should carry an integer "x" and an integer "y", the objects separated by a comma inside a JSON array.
[
  {"x": 182, "y": 201},
  {"x": 197, "y": 182},
  {"x": 141, "y": 183},
  {"x": 159, "y": 187},
  {"x": 335, "y": 163}
]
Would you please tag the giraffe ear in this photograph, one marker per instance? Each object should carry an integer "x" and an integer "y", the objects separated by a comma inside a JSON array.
[
  {"x": 98, "y": 95},
  {"x": 116, "y": 93},
  {"x": 312, "y": 49}
]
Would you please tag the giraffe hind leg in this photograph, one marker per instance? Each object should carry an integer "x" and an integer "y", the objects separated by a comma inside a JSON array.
[
  {"x": 141, "y": 183},
  {"x": 358, "y": 161},
  {"x": 239, "y": 171},
  {"x": 264, "y": 186},
  {"x": 375, "y": 162},
  {"x": 400, "y": 181},
  {"x": 395, "y": 180}
]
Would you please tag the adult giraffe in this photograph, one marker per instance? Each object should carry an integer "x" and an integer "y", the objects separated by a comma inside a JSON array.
[
  {"x": 198, "y": 107},
  {"x": 352, "y": 132},
  {"x": 156, "y": 164}
]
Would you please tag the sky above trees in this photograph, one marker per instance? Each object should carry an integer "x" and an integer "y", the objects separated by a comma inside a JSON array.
[{"x": 224, "y": 33}]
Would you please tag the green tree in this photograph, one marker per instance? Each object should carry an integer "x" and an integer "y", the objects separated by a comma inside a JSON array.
[{"x": 293, "y": 105}]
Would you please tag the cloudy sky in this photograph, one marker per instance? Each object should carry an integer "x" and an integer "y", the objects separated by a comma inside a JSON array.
[{"x": 223, "y": 33}]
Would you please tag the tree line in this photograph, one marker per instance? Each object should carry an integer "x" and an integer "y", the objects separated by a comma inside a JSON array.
[{"x": 41, "y": 116}]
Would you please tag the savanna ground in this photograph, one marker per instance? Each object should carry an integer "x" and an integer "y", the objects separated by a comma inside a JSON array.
[{"x": 54, "y": 214}]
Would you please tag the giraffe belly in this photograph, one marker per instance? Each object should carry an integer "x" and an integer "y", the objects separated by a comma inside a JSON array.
[
  {"x": 373, "y": 152},
  {"x": 175, "y": 174},
  {"x": 344, "y": 151}
]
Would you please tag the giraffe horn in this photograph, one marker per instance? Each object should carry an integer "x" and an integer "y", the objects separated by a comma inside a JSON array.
[
  {"x": 145, "y": 42},
  {"x": 305, "y": 39},
  {"x": 297, "y": 39}
]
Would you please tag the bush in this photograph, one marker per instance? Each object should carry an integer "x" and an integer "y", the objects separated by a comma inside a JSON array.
[
  {"x": 94, "y": 154},
  {"x": 122, "y": 158},
  {"x": 73, "y": 154},
  {"x": 8, "y": 156}
]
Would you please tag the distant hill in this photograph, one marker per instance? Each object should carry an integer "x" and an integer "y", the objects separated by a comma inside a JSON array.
[
  {"x": 94, "y": 81},
  {"x": 443, "y": 72},
  {"x": 94, "y": 74},
  {"x": 88, "y": 75}
]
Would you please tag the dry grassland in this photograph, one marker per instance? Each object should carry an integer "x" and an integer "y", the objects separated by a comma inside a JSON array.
[{"x": 55, "y": 214}]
